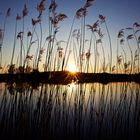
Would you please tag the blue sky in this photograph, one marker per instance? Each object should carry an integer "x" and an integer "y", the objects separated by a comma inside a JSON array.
[
  {"x": 119, "y": 14},
  {"x": 125, "y": 10}
]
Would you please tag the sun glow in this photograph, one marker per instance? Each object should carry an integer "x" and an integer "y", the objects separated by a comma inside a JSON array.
[{"x": 72, "y": 68}]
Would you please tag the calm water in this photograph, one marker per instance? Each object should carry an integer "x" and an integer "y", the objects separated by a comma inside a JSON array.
[{"x": 82, "y": 111}]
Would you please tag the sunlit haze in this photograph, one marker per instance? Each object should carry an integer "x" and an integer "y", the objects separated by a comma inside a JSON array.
[{"x": 72, "y": 68}]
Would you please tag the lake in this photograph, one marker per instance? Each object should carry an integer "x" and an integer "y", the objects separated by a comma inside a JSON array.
[{"x": 80, "y": 111}]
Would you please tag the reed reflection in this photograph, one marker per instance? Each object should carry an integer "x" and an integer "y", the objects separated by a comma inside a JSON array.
[{"x": 74, "y": 110}]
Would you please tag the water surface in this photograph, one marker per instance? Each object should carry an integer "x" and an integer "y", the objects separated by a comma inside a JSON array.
[{"x": 82, "y": 111}]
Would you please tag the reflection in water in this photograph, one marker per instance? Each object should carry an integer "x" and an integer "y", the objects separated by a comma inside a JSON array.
[{"x": 82, "y": 111}]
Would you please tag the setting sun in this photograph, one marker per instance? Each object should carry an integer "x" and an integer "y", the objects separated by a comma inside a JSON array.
[{"x": 72, "y": 68}]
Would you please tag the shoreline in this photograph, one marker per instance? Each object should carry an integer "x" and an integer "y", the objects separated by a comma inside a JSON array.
[{"x": 65, "y": 77}]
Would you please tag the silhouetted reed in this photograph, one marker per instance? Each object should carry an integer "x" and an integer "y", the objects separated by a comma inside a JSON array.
[
  {"x": 2, "y": 34},
  {"x": 76, "y": 111},
  {"x": 88, "y": 56}
]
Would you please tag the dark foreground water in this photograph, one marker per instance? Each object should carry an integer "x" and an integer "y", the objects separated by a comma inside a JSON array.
[{"x": 80, "y": 111}]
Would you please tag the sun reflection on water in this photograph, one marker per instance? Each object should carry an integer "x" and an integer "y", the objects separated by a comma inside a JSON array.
[{"x": 72, "y": 85}]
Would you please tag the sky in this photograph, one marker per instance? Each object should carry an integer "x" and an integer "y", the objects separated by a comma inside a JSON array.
[{"x": 119, "y": 14}]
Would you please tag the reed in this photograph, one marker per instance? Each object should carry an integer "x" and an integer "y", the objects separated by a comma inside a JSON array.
[
  {"x": 88, "y": 56},
  {"x": 2, "y": 34},
  {"x": 74, "y": 110}
]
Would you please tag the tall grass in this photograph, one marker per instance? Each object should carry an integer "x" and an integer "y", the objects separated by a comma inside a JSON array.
[
  {"x": 40, "y": 47},
  {"x": 2, "y": 34},
  {"x": 76, "y": 111}
]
